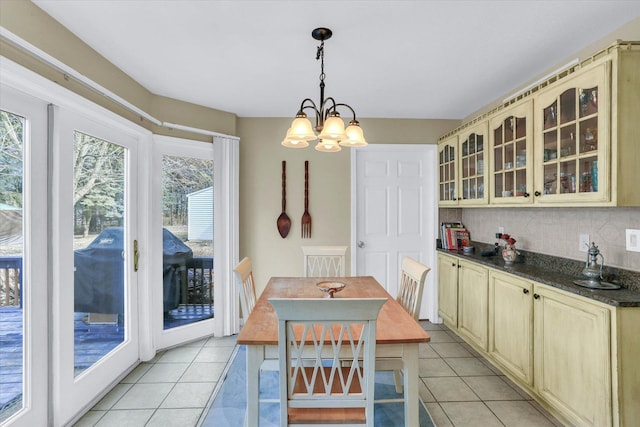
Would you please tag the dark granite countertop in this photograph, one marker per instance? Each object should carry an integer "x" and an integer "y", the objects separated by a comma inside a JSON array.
[{"x": 560, "y": 273}]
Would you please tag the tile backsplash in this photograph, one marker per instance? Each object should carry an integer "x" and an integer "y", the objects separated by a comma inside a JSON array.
[{"x": 556, "y": 231}]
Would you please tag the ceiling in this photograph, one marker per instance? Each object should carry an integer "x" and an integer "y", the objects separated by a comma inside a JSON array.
[{"x": 394, "y": 59}]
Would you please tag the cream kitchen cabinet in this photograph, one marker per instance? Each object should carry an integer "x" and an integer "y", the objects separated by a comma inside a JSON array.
[
  {"x": 511, "y": 155},
  {"x": 580, "y": 141},
  {"x": 448, "y": 290},
  {"x": 572, "y": 152},
  {"x": 462, "y": 167},
  {"x": 511, "y": 324},
  {"x": 586, "y": 127},
  {"x": 462, "y": 298},
  {"x": 473, "y": 302},
  {"x": 572, "y": 356},
  {"x": 447, "y": 172},
  {"x": 473, "y": 164},
  {"x": 575, "y": 355}
]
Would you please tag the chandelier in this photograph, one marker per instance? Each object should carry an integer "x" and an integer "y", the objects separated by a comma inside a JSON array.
[{"x": 329, "y": 128}]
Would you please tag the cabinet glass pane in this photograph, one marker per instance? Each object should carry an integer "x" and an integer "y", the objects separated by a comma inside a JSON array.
[
  {"x": 521, "y": 157},
  {"x": 499, "y": 179},
  {"x": 550, "y": 178},
  {"x": 588, "y": 101},
  {"x": 567, "y": 177},
  {"x": 497, "y": 155},
  {"x": 497, "y": 136},
  {"x": 521, "y": 127},
  {"x": 567, "y": 140},
  {"x": 521, "y": 182},
  {"x": 550, "y": 146},
  {"x": 509, "y": 123},
  {"x": 509, "y": 156},
  {"x": 465, "y": 167},
  {"x": 589, "y": 135},
  {"x": 551, "y": 116},
  {"x": 508, "y": 184},
  {"x": 480, "y": 187},
  {"x": 588, "y": 175},
  {"x": 568, "y": 106}
]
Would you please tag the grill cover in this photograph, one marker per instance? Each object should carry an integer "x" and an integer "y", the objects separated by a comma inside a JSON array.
[{"x": 99, "y": 272}]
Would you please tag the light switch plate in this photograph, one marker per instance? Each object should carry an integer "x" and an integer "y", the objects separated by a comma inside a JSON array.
[{"x": 633, "y": 240}]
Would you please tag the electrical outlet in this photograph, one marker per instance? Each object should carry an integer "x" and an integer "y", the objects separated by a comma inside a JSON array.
[
  {"x": 633, "y": 240},
  {"x": 583, "y": 243},
  {"x": 501, "y": 230}
]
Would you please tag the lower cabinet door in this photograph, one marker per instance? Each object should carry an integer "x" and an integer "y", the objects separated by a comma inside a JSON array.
[
  {"x": 572, "y": 356},
  {"x": 473, "y": 302},
  {"x": 448, "y": 290},
  {"x": 511, "y": 324}
]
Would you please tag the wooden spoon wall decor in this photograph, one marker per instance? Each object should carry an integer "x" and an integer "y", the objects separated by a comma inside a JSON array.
[{"x": 284, "y": 223}]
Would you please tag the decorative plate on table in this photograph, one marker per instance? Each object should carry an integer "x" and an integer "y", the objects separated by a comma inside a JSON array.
[{"x": 330, "y": 288}]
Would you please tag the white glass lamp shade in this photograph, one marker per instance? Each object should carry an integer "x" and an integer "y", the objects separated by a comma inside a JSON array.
[
  {"x": 290, "y": 142},
  {"x": 333, "y": 129},
  {"x": 302, "y": 130},
  {"x": 328, "y": 146},
  {"x": 355, "y": 137}
]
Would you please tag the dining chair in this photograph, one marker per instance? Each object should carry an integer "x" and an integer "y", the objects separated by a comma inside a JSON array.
[
  {"x": 244, "y": 274},
  {"x": 324, "y": 261},
  {"x": 314, "y": 336},
  {"x": 410, "y": 288}
]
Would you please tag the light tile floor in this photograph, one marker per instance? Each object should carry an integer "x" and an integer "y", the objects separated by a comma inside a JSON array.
[{"x": 459, "y": 387}]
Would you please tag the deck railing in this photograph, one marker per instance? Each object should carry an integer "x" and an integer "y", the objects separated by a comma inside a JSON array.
[
  {"x": 199, "y": 283},
  {"x": 10, "y": 281}
]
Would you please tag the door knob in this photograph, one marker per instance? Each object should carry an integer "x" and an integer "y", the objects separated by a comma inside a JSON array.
[{"x": 360, "y": 244}]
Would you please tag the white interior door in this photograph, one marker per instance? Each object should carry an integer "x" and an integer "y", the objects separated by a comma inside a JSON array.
[
  {"x": 94, "y": 261},
  {"x": 395, "y": 214}
]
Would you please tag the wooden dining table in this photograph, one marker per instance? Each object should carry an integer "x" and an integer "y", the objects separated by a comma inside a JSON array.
[{"x": 398, "y": 335}]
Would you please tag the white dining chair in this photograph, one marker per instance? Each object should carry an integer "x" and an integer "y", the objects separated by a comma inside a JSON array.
[
  {"x": 410, "y": 289},
  {"x": 314, "y": 336},
  {"x": 324, "y": 261}
]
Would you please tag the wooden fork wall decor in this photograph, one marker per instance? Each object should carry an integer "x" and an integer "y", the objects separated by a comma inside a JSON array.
[{"x": 306, "y": 217}]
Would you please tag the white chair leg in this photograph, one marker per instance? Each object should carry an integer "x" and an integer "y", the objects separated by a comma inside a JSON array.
[{"x": 398, "y": 379}]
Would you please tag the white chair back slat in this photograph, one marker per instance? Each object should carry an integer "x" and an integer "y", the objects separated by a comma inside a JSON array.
[
  {"x": 324, "y": 261},
  {"x": 411, "y": 286},
  {"x": 344, "y": 328},
  {"x": 244, "y": 275}
]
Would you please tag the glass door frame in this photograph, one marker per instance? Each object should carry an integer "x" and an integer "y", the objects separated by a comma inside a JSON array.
[
  {"x": 164, "y": 145},
  {"x": 35, "y": 254},
  {"x": 72, "y": 394}
]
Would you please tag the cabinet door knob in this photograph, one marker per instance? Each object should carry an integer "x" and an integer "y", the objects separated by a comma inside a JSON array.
[
  {"x": 536, "y": 296},
  {"x": 526, "y": 194},
  {"x": 453, "y": 264},
  {"x": 537, "y": 193},
  {"x": 525, "y": 291}
]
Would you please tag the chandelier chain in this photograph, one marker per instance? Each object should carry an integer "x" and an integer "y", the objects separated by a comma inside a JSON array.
[{"x": 320, "y": 56}]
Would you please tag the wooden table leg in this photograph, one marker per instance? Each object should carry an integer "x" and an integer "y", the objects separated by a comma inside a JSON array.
[
  {"x": 255, "y": 357},
  {"x": 410, "y": 370}
]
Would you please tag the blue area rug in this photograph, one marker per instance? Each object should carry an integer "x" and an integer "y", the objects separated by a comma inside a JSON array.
[{"x": 230, "y": 402}]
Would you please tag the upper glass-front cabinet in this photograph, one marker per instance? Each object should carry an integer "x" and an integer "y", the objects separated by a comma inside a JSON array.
[
  {"x": 473, "y": 158},
  {"x": 511, "y": 134},
  {"x": 447, "y": 151},
  {"x": 572, "y": 134}
]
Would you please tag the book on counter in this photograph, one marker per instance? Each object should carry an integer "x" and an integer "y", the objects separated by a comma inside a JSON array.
[{"x": 454, "y": 235}]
